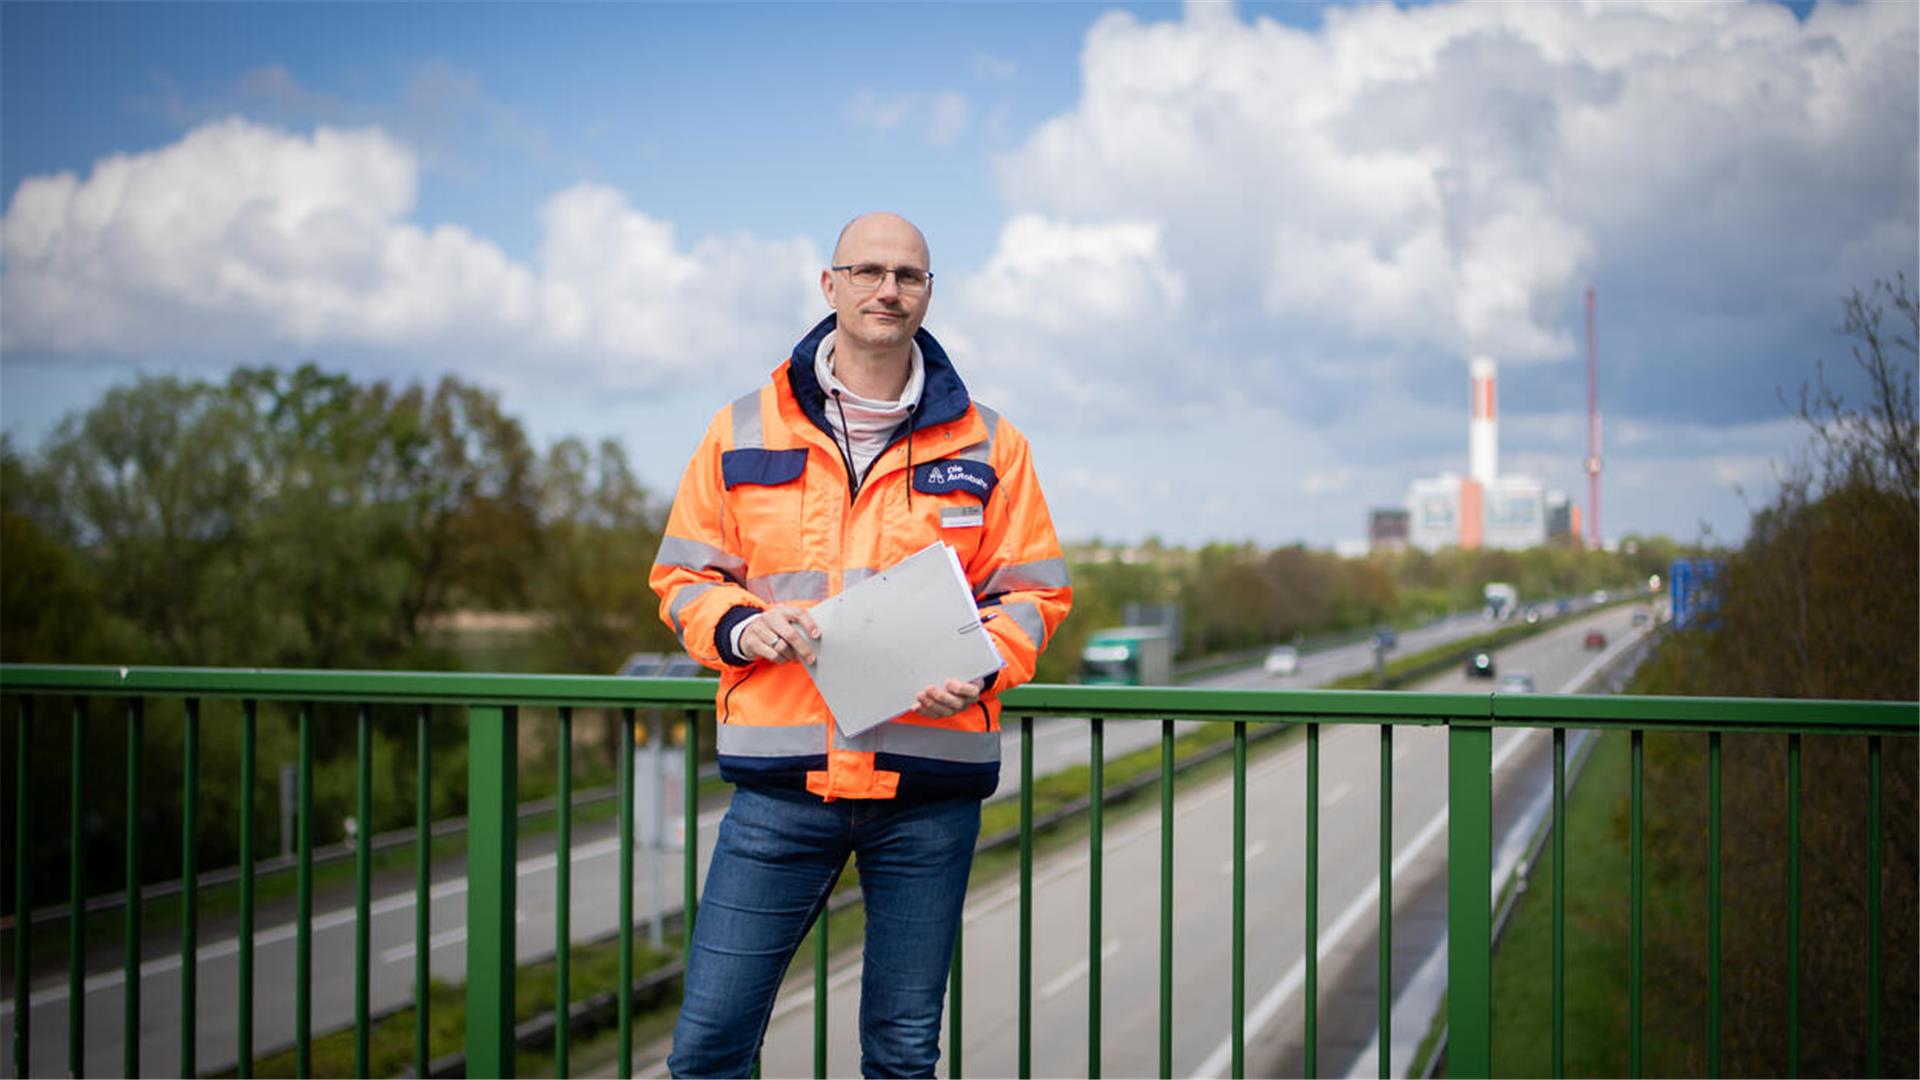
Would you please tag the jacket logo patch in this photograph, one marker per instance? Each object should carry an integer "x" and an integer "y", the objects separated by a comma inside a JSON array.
[
  {"x": 976, "y": 478},
  {"x": 764, "y": 467}
]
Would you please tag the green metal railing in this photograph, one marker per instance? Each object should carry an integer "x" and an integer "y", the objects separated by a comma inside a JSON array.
[{"x": 493, "y": 706}]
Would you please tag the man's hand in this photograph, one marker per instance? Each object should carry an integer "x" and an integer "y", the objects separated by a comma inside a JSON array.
[
  {"x": 939, "y": 702},
  {"x": 780, "y": 633}
]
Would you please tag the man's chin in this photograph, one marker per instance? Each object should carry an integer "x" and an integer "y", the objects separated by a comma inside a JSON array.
[{"x": 884, "y": 333}]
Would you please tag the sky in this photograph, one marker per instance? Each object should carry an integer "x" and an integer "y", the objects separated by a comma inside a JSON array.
[{"x": 1225, "y": 265}]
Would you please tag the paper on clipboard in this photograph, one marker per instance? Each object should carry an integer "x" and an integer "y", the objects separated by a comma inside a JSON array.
[{"x": 892, "y": 635}]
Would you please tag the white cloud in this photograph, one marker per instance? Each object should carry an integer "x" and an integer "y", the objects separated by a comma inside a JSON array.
[
  {"x": 949, "y": 114},
  {"x": 939, "y": 118},
  {"x": 240, "y": 236},
  {"x": 996, "y": 68},
  {"x": 1057, "y": 277},
  {"x": 868, "y": 109},
  {"x": 1449, "y": 176},
  {"x": 1056, "y": 302},
  {"x": 1344, "y": 214}
]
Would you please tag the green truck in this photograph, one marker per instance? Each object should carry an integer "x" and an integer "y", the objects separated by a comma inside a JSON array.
[{"x": 1128, "y": 656}]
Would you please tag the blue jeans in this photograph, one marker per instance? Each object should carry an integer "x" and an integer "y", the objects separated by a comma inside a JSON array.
[{"x": 774, "y": 864}]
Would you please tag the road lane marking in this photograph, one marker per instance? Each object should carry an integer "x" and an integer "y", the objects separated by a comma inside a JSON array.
[
  {"x": 1134, "y": 831},
  {"x": 1270, "y": 1004},
  {"x": 438, "y": 941},
  {"x": 1340, "y": 791},
  {"x": 1078, "y": 970},
  {"x": 1254, "y": 851}
]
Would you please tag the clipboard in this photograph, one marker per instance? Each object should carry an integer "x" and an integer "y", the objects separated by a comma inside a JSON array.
[{"x": 894, "y": 634}]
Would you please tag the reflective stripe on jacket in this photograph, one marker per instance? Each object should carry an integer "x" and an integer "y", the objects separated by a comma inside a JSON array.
[{"x": 764, "y": 515}]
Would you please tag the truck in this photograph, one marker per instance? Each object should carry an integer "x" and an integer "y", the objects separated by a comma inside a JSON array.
[
  {"x": 1128, "y": 656},
  {"x": 1502, "y": 600}
]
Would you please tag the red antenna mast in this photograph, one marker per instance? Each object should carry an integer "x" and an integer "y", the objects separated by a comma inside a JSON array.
[{"x": 1593, "y": 432}]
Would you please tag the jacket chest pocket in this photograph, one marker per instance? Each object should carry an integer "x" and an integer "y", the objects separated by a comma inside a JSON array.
[{"x": 766, "y": 494}]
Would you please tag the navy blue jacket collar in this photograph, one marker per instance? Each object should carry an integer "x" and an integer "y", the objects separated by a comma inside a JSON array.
[{"x": 943, "y": 397}]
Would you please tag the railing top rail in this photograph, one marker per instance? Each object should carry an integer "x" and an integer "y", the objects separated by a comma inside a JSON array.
[
  {"x": 1116, "y": 702},
  {"x": 406, "y": 687}
]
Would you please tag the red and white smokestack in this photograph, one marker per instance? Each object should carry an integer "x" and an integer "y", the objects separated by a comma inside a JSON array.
[{"x": 1483, "y": 434}]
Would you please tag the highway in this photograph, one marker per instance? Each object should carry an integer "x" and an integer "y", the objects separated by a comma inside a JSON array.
[
  {"x": 1348, "y": 885},
  {"x": 1058, "y": 744}
]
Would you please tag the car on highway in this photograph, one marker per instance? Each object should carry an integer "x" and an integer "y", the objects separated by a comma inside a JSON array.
[
  {"x": 1642, "y": 617},
  {"x": 1480, "y": 665},
  {"x": 1595, "y": 641},
  {"x": 1384, "y": 638},
  {"x": 1515, "y": 682},
  {"x": 1533, "y": 615},
  {"x": 1282, "y": 660}
]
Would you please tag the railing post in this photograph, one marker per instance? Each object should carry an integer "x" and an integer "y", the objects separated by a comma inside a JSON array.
[
  {"x": 1469, "y": 900},
  {"x": 492, "y": 806}
]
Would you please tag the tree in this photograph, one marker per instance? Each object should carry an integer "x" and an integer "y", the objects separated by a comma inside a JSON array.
[
  {"x": 1823, "y": 601},
  {"x": 601, "y": 532}
]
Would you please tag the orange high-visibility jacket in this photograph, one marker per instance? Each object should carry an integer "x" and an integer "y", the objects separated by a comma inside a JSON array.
[{"x": 765, "y": 515}]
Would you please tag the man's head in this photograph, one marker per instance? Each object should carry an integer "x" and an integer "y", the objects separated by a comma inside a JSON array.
[{"x": 884, "y": 314}]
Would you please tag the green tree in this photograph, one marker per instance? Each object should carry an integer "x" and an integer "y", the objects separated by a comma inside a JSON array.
[
  {"x": 600, "y": 533},
  {"x": 1823, "y": 601}
]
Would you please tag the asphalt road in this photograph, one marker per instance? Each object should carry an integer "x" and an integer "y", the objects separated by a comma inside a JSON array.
[
  {"x": 1276, "y": 881},
  {"x": 1058, "y": 744}
]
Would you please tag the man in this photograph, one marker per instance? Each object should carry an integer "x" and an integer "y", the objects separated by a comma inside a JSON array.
[{"x": 864, "y": 448}]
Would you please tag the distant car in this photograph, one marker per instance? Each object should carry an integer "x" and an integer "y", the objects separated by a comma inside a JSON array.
[
  {"x": 1384, "y": 638},
  {"x": 1515, "y": 682},
  {"x": 1641, "y": 617},
  {"x": 1562, "y": 607},
  {"x": 1282, "y": 660},
  {"x": 1533, "y": 615},
  {"x": 1594, "y": 641},
  {"x": 1480, "y": 666},
  {"x": 1598, "y": 596}
]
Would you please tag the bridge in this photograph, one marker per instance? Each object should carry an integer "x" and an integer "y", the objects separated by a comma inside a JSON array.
[{"x": 1193, "y": 886}]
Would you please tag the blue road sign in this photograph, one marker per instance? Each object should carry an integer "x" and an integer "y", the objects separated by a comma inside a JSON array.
[{"x": 1696, "y": 586}]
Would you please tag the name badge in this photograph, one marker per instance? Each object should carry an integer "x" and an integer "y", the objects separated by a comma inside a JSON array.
[{"x": 961, "y": 517}]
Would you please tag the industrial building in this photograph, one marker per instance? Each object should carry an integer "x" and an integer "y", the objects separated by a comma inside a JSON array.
[{"x": 1485, "y": 508}]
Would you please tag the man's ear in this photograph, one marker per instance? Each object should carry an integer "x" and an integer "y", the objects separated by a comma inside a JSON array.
[{"x": 826, "y": 286}]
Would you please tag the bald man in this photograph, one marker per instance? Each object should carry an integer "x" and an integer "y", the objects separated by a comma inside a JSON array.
[{"x": 863, "y": 448}]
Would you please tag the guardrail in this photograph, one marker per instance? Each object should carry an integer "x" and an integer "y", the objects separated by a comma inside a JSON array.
[{"x": 493, "y": 704}]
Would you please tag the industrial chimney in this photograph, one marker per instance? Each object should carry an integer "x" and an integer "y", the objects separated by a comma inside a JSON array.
[{"x": 1483, "y": 434}]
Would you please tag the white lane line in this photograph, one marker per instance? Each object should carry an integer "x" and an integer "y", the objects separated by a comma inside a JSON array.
[
  {"x": 438, "y": 941},
  {"x": 1135, "y": 830},
  {"x": 1340, "y": 791},
  {"x": 1254, "y": 851},
  {"x": 1078, "y": 970},
  {"x": 1417, "y": 1002},
  {"x": 1269, "y": 1006}
]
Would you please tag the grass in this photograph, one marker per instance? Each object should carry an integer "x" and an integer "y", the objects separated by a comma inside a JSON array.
[
  {"x": 1596, "y": 964},
  {"x": 391, "y": 1042}
]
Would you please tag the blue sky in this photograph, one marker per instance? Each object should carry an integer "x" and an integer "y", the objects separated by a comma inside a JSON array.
[{"x": 1225, "y": 265}]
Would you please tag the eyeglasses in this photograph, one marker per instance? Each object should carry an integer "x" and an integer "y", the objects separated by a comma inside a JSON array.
[{"x": 911, "y": 280}]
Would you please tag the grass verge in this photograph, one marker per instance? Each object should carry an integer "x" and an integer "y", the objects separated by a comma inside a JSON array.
[{"x": 1596, "y": 964}]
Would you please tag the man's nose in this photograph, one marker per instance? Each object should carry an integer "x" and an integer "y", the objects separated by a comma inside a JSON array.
[{"x": 889, "y": 285}]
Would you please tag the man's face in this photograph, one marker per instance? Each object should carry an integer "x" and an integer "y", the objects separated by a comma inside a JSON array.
[{"x": 882, "y": 316}]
